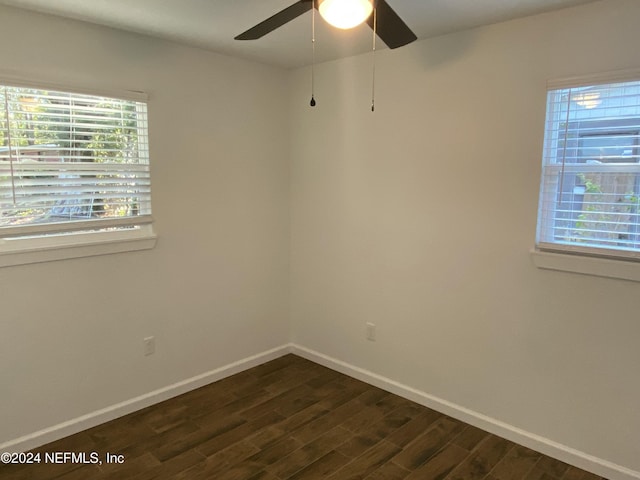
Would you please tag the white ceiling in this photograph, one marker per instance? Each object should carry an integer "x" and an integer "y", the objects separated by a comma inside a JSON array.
[{"x": 212, "y": 24}]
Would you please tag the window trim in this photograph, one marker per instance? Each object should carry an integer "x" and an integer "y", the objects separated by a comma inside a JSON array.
[
  {"x": 22, "y": 250},
  {"x": 16, "y": 80},
  {"x": 624, "y": 269},
  {"x": 617, "y": 76}
]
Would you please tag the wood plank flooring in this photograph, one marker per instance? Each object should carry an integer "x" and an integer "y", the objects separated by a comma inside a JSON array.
[{"x": 293, "y": 419}]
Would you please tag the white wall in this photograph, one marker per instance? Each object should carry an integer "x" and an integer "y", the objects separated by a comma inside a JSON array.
[
  {"x": 215, "y": 288},
  {"x": 420, "y": 218}
]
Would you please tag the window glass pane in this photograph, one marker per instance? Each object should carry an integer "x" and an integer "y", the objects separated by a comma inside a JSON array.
[
  {"x": 599, "y": 209},
  {"x": 68, "y": 157}
]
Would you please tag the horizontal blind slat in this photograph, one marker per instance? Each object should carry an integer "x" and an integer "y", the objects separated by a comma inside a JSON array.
[{"x": 77, "y": 225}]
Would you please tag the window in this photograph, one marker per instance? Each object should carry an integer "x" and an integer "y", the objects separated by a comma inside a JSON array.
[
  {"x": 590, "y": 188},
  {"x": 74, "y": 170}
]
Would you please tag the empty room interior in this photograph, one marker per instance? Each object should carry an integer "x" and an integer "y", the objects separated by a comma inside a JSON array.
[{"x": 458, "y": 266}]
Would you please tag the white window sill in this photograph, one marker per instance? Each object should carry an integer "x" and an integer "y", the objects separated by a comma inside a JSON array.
[
  {"x": 22, "y": 251},
  {"x": 600, "y": 267}
]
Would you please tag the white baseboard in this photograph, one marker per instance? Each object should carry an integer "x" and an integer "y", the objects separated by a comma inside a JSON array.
[
  {"x": 543, "y": 445},
  {"x": 112, "y": 412},
  {"x": 553, "y": 449}
]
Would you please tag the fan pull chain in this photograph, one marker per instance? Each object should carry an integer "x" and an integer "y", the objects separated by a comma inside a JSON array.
[
  {"x": 313, "y": 53},
  {"x": 373, "y": 76}
]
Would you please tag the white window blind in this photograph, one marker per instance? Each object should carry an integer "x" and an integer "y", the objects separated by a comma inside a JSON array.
[
  {"x": 71, "y": 162},
  {"x": 590, "y": 188}
]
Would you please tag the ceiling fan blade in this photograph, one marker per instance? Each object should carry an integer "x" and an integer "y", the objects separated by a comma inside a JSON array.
[
  {"x": 277, "y": 20},
  {"x": 390, "y": 27}
]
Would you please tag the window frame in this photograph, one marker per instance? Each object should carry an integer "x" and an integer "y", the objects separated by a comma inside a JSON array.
[
  {"x": 82, "y": 239},
  {"x": 600, "y": 262}
]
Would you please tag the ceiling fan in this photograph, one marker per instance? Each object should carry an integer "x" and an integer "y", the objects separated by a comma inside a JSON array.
[{"x": 386, "y": 23}]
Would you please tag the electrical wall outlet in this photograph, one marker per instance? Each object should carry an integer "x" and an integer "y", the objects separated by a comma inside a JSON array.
[
  {"x": 149, "y": 345},
  {"x": 371, "y": 331}
]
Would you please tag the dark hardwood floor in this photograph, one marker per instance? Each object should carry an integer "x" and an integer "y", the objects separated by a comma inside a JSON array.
[{"x": 293, "y": 419}]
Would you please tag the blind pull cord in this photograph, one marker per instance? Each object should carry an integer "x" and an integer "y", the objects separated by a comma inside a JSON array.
[
  {"x": 13, "y": 180},
  {"x": 564, "y": 149}
]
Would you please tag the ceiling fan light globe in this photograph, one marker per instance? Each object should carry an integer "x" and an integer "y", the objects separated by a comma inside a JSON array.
[{"x": 345, "y": 14}]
